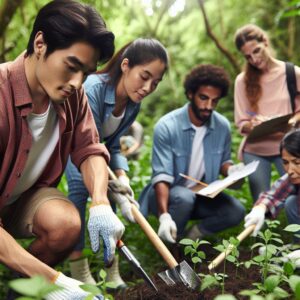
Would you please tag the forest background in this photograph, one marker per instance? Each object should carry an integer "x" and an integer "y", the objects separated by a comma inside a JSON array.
[{"x": 194, "y": 32}]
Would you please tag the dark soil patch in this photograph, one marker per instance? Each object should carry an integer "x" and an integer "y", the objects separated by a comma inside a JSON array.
[{"x": 237, "y": 280}]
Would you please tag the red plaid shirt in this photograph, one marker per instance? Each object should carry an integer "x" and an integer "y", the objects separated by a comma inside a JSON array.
[
  {"x": 78, "y": 135},
  {"x": 274, "y": 198}
]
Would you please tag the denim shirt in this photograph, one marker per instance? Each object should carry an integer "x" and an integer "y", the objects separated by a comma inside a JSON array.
[
  {"x": 173, "y": 141},
  {"x": 101, "y": 96},
  {"x": 172, "y": 149}
]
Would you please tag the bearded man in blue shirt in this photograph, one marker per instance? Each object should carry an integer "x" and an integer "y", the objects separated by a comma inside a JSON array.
[{"x": 193, "y": 140}]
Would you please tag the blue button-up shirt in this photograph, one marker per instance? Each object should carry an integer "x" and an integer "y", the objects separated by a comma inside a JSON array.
[
  {"x": 101, "y": 96},
  {"x": 172, "y": 148}
]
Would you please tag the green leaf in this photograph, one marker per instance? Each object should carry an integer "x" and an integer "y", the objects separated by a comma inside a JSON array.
[
  {"x": 231, "y": 258},
  {"x": 288, "y": 268},
  {"x": 90, "y": 288},
  {"x": 208, "y": 281},
  {"x": 35, "y": 286},
  {"x": 271, "y": 282},
  {"x": 225, "y": 297},
  {"x": 292, "y": 228},
  {"x": 196, "y": 260},
  {"x": 186, "y": 242},
  {"x": 102, "y": 274},
  {"x": 281, "y": 293},
  {"x": 294, "y": 281}
]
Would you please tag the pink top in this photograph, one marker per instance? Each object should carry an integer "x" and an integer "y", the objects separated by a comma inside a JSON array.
[
  {"x": 78, "y": 135},
  {"x": 274, "y": 101}
]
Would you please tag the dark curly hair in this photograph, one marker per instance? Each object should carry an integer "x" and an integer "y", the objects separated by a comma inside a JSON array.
[{"x": 206, "y": 74}]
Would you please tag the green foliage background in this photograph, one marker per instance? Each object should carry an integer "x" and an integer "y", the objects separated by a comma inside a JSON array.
[{"x": 185, "y": 37}]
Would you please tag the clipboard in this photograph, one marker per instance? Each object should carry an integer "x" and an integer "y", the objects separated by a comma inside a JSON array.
[{"x": 277, "y": 124}]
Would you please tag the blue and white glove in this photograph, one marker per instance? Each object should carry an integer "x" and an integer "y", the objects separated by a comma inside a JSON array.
[
  {"x": 105, "y": 224},
  {"x": 70, "y": 290}
]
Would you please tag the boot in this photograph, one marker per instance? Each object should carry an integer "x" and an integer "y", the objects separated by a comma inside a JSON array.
[
  {"x": 80, "y": 270},
  {"x": 113, "y": 275}
]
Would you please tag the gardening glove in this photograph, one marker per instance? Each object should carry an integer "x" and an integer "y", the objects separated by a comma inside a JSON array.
[
  {"x": 117, "y": 189},
  {"x": 235, "y": 168},
  {"x": 167, "y": 229},
  {"x": 256, "y": 216},
  {"x": 105, "y": 224},
  {"x": 70, "y": 291},
  {"x": 295, "y": 257}
]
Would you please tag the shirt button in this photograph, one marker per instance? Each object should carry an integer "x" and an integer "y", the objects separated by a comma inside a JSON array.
[{"x": 18, "y": 174}]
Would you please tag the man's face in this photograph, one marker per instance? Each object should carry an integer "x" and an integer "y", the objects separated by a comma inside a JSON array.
[
  {"x": 203, "y": 102},
  {"x": 291, "y": 166},
  {"x": 62, "y": 73}
]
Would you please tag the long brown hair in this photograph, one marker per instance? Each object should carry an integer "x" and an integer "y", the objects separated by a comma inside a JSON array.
[{"x": 253, "y": 75}]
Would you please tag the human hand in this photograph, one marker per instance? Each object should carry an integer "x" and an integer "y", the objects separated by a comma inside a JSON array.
[
  {"x": 294, "y": 256},
  {"x": 167, "y": 229},
  {"x": 125, "y": 205},
  {"x": 70, "y": 290},
  {"x": 105, "y": 224},
  {"x": 121, "y": 185},
  {"x": 256, "y": 216},
  {"x": 234, "y": 168}
]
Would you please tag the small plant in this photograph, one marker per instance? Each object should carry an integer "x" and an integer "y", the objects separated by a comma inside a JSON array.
[
  {"x": 191, "y": 249},
  {"x": 33, "y": 288},
  {"x": 228, "y": 245}
]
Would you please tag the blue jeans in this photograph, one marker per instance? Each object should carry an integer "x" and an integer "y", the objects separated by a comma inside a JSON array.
[
  {"x": 291, "y": 211},
  {"x": 78, "y": 194},
  {"x": 215, "y": 214},
  {"x": 260, "y": 180}
]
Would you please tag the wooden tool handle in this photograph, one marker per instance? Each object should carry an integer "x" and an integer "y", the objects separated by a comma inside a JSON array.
[
  {"x": 224, "y": 254},
  {"x": 150, "y": 233}
]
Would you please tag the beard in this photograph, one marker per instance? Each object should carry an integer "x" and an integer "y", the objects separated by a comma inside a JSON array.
[{"x": 199, "y": 113}]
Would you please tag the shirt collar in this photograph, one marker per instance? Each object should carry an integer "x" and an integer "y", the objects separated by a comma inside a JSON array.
[{"x": 20, "y": 88}]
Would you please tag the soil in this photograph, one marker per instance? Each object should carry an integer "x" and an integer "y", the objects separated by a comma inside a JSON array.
[{"x": 237, "y": 281}]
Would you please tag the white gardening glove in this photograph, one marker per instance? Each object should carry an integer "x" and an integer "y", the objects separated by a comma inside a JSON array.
[
  {"x": 256, "y": 216},
  {"x": 70, "y": 291},
  {"x": 118, "y": 190},
  {"x": 167, "y": 229},
  {"x": 295, "y": 257},
  {"x": 235, "y": 168},
  {"x": 104, "y": 223},
  {"x": 125, "y": 181}
]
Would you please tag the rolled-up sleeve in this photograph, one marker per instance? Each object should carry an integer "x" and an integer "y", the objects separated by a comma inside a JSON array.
[
  {"x": 227, "y": 146},
  {"x": 86, "y": 138},
  {"x": 162, "y": 156}
]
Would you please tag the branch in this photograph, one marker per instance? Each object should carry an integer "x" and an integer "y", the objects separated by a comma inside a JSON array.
[
  {"x": 221, "y": 47},
  {"x": 7, "y": 10}
]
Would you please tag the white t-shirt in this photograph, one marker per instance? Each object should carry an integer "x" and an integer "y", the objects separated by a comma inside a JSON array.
[
  {"x": 45, "y": 134},
  {"x": 197, "y": 166},
  {"x": 111, "y": 124}
]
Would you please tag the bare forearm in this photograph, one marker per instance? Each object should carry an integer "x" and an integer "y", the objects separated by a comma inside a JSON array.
[
  {"x": 95, "y": 177},
  {"x": 162, "y": 191},
  {"x": 224, "y": 169},
  {"x": 17, "y": 258}
]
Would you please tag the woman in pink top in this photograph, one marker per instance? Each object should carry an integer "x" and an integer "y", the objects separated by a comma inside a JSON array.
[{"x": 260, "y": 93}]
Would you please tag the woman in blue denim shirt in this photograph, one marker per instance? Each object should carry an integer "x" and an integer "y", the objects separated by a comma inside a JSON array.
[{"x": 115, "y": 94}]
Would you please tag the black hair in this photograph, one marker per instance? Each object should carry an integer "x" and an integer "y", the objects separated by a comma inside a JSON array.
[
  {"x": 138, "y": 52},
  {"x": 206, "y": 74},
  {"x": 291, "y": 143},
  {"x": 65, "y": 22}
]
